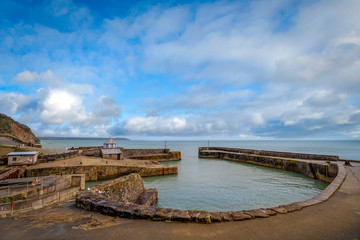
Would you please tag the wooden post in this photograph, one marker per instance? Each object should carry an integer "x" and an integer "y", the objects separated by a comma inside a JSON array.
[{"x": 12, "y": 207}]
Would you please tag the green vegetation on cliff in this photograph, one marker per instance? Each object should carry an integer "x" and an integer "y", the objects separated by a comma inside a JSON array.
[{"x": 15, "y": 130}]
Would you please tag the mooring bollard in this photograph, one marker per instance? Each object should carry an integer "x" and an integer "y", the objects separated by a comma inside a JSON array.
[{"x": 347, "y": 163}]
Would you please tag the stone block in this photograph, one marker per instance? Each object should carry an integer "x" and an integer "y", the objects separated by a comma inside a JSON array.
[
  {"x": 257, "y": 213},
  {"x": 50, "y": 198},
  {"x": 181, "y": 216},
  {"x": 216, "y": 217},
  {"x": 148, "y": 197},
  {"x": 240, "y": 215},
  {"x": 291, "y": 207},
  {"x": 146, "y": 213},
  {"x": 37, "y": 204},
  {"x": 204, "y": 217},
  {"x": 279, "y": 209},
  {"x": 125, "y": 210},
  {"x": 163, "y": 214},
  {"x": 78, "y": 180},
  {"x": 194, "y": 214},
  {"x": 226, "y": 217}
]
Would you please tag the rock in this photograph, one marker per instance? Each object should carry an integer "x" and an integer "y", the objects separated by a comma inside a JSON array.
[{"x": 19, "y": 132}]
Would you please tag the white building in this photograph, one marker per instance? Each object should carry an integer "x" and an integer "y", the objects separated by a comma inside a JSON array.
[
  {"x": 110, "y": 143},
  {"x": 21, "y": 158}
]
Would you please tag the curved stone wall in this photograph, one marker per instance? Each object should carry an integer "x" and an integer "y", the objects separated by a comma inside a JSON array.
[{"x": 95, "y": 202}]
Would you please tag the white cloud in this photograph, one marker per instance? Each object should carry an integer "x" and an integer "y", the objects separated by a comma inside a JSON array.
[
  {"x": 155, "y": 125},
  {"x": 10, "y": 103},
  {"x": 60, "y": 106},
  {"x": 47, "y": 77},
  {"x": 25, "y": 76},
  {"x": 218, "y": 68}
]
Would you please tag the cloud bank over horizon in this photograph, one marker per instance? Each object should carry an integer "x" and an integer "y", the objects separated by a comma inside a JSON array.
[{"x": 182, "y": 70}]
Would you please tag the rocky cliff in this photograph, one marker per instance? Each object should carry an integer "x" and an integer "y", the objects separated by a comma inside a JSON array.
[{"x": 16, "y": 130}]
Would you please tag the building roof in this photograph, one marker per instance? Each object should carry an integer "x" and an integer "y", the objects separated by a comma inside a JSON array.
[
  {"x": 22, "y": 153},
  {"x": 110, "y": 141},
  {"x": 110, "y": 151}
]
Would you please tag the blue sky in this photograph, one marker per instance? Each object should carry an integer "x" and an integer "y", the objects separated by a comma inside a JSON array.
[{"x": 182, "y": 69}]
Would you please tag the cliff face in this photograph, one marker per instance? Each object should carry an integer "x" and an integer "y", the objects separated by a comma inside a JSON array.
[{"x": 18, "y": 131}]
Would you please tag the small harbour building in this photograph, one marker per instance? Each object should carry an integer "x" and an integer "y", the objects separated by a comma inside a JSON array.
[
  {"x": 22, "y": 158},
  {"x": 110, "y": 143},
  {"x": 110, "y": 150}
]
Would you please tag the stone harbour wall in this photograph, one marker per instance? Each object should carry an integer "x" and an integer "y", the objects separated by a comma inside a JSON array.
[
  {"x": 94, "y": 202},
  {"x": 334, "y": 171}
]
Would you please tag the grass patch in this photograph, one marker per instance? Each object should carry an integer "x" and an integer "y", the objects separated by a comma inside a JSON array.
[
  {"x": 7, "y": 199},
  {"x": 16, "y": 148}
]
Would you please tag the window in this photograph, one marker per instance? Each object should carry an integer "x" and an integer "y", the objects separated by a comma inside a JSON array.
[{"x": 14, "y": 159}]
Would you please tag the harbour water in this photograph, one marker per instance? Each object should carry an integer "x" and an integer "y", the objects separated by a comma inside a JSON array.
[{"x": 218, "y": 185}]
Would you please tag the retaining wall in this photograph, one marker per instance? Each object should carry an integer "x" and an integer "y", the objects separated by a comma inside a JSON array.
[
  {"x": 59, "y": 156},
  {"x": 103, "y": 172},
  {"x": 135, "y": 152},
  {"x": 58, "y": 189},
  {"x": 161, "y": 157}
]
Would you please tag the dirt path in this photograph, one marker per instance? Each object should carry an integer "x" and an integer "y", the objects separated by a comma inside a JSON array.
[{"x": 337, "y": 218}]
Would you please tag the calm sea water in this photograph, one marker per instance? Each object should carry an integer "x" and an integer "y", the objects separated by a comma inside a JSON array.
[{"x": 218, "y": 185}]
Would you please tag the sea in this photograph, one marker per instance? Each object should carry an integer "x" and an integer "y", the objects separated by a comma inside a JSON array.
[{"x": 218, "y": 185}]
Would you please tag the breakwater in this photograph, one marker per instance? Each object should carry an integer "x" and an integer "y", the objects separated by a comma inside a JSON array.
[{"x": 311, "y": 165}]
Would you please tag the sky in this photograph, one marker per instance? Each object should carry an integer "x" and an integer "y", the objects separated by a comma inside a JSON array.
[{"x": 237, "y": 70}]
